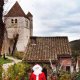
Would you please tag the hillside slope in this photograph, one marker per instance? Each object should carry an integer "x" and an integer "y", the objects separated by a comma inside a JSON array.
[{"x": 75, "y": 45}]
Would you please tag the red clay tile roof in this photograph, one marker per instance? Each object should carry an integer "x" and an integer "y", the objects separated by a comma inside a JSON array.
[
  {"x": 44, "y": 48},
  {"x": 15, "y": 11}
]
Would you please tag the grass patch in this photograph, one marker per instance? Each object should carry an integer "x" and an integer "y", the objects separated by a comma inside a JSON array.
[{"x": 4, "y": 61}]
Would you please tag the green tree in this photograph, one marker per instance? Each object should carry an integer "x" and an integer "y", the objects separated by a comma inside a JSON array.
[
  {"x": 1, "y": 70},
  {"x": 77, "y": 76},
  {"x": 2, "y": 27},
  {"x": 64, "y": 76},
  {"x": 17, "y": 71}
]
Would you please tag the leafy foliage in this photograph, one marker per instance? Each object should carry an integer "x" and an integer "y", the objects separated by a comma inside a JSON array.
[
  {"x": 77, "y": 76},
  {"x": 19, "y": 55},
  {"x": 64, "y": 76},
  {"x": 4, "y": 61},
  {"x": 75, "y": 47},
  {"x": 1, "y": 70},
  {"x": 17, "y": 71}
]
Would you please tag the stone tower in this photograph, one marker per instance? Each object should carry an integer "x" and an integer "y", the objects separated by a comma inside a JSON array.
[{"x": 18, "y": 23}]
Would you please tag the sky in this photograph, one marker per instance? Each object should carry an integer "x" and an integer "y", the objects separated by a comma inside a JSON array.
[{"x": 52, "y": 17}]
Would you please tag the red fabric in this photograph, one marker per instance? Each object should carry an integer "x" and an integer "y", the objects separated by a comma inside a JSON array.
[{"x": 41, "y": 76}]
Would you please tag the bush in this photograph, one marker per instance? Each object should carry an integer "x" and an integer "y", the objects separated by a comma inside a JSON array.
[
  {"x": 19, "y": 55},
  {"x": 1, "y": 70},
  {"x": 17, "y": 71},
  {"x": 77, "y": 76},
  {"x": 64, "y": 76}
]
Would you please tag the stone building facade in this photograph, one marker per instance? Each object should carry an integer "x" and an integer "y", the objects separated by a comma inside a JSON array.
[{"x": 18, "y": 23}]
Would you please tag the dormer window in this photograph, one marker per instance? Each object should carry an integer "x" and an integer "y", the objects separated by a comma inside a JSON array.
[
  {"x": 33, "y": 41},
  {"x": 15, "y": 20}
]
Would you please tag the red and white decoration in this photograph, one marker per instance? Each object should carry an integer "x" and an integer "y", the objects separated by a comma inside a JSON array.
[{"x": 37, "y": 74}]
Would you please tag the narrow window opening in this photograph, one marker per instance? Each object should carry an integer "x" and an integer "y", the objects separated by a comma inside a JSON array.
[
  {"x": 15, "y": 20},
  {"x": 12, "y": 21}
]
